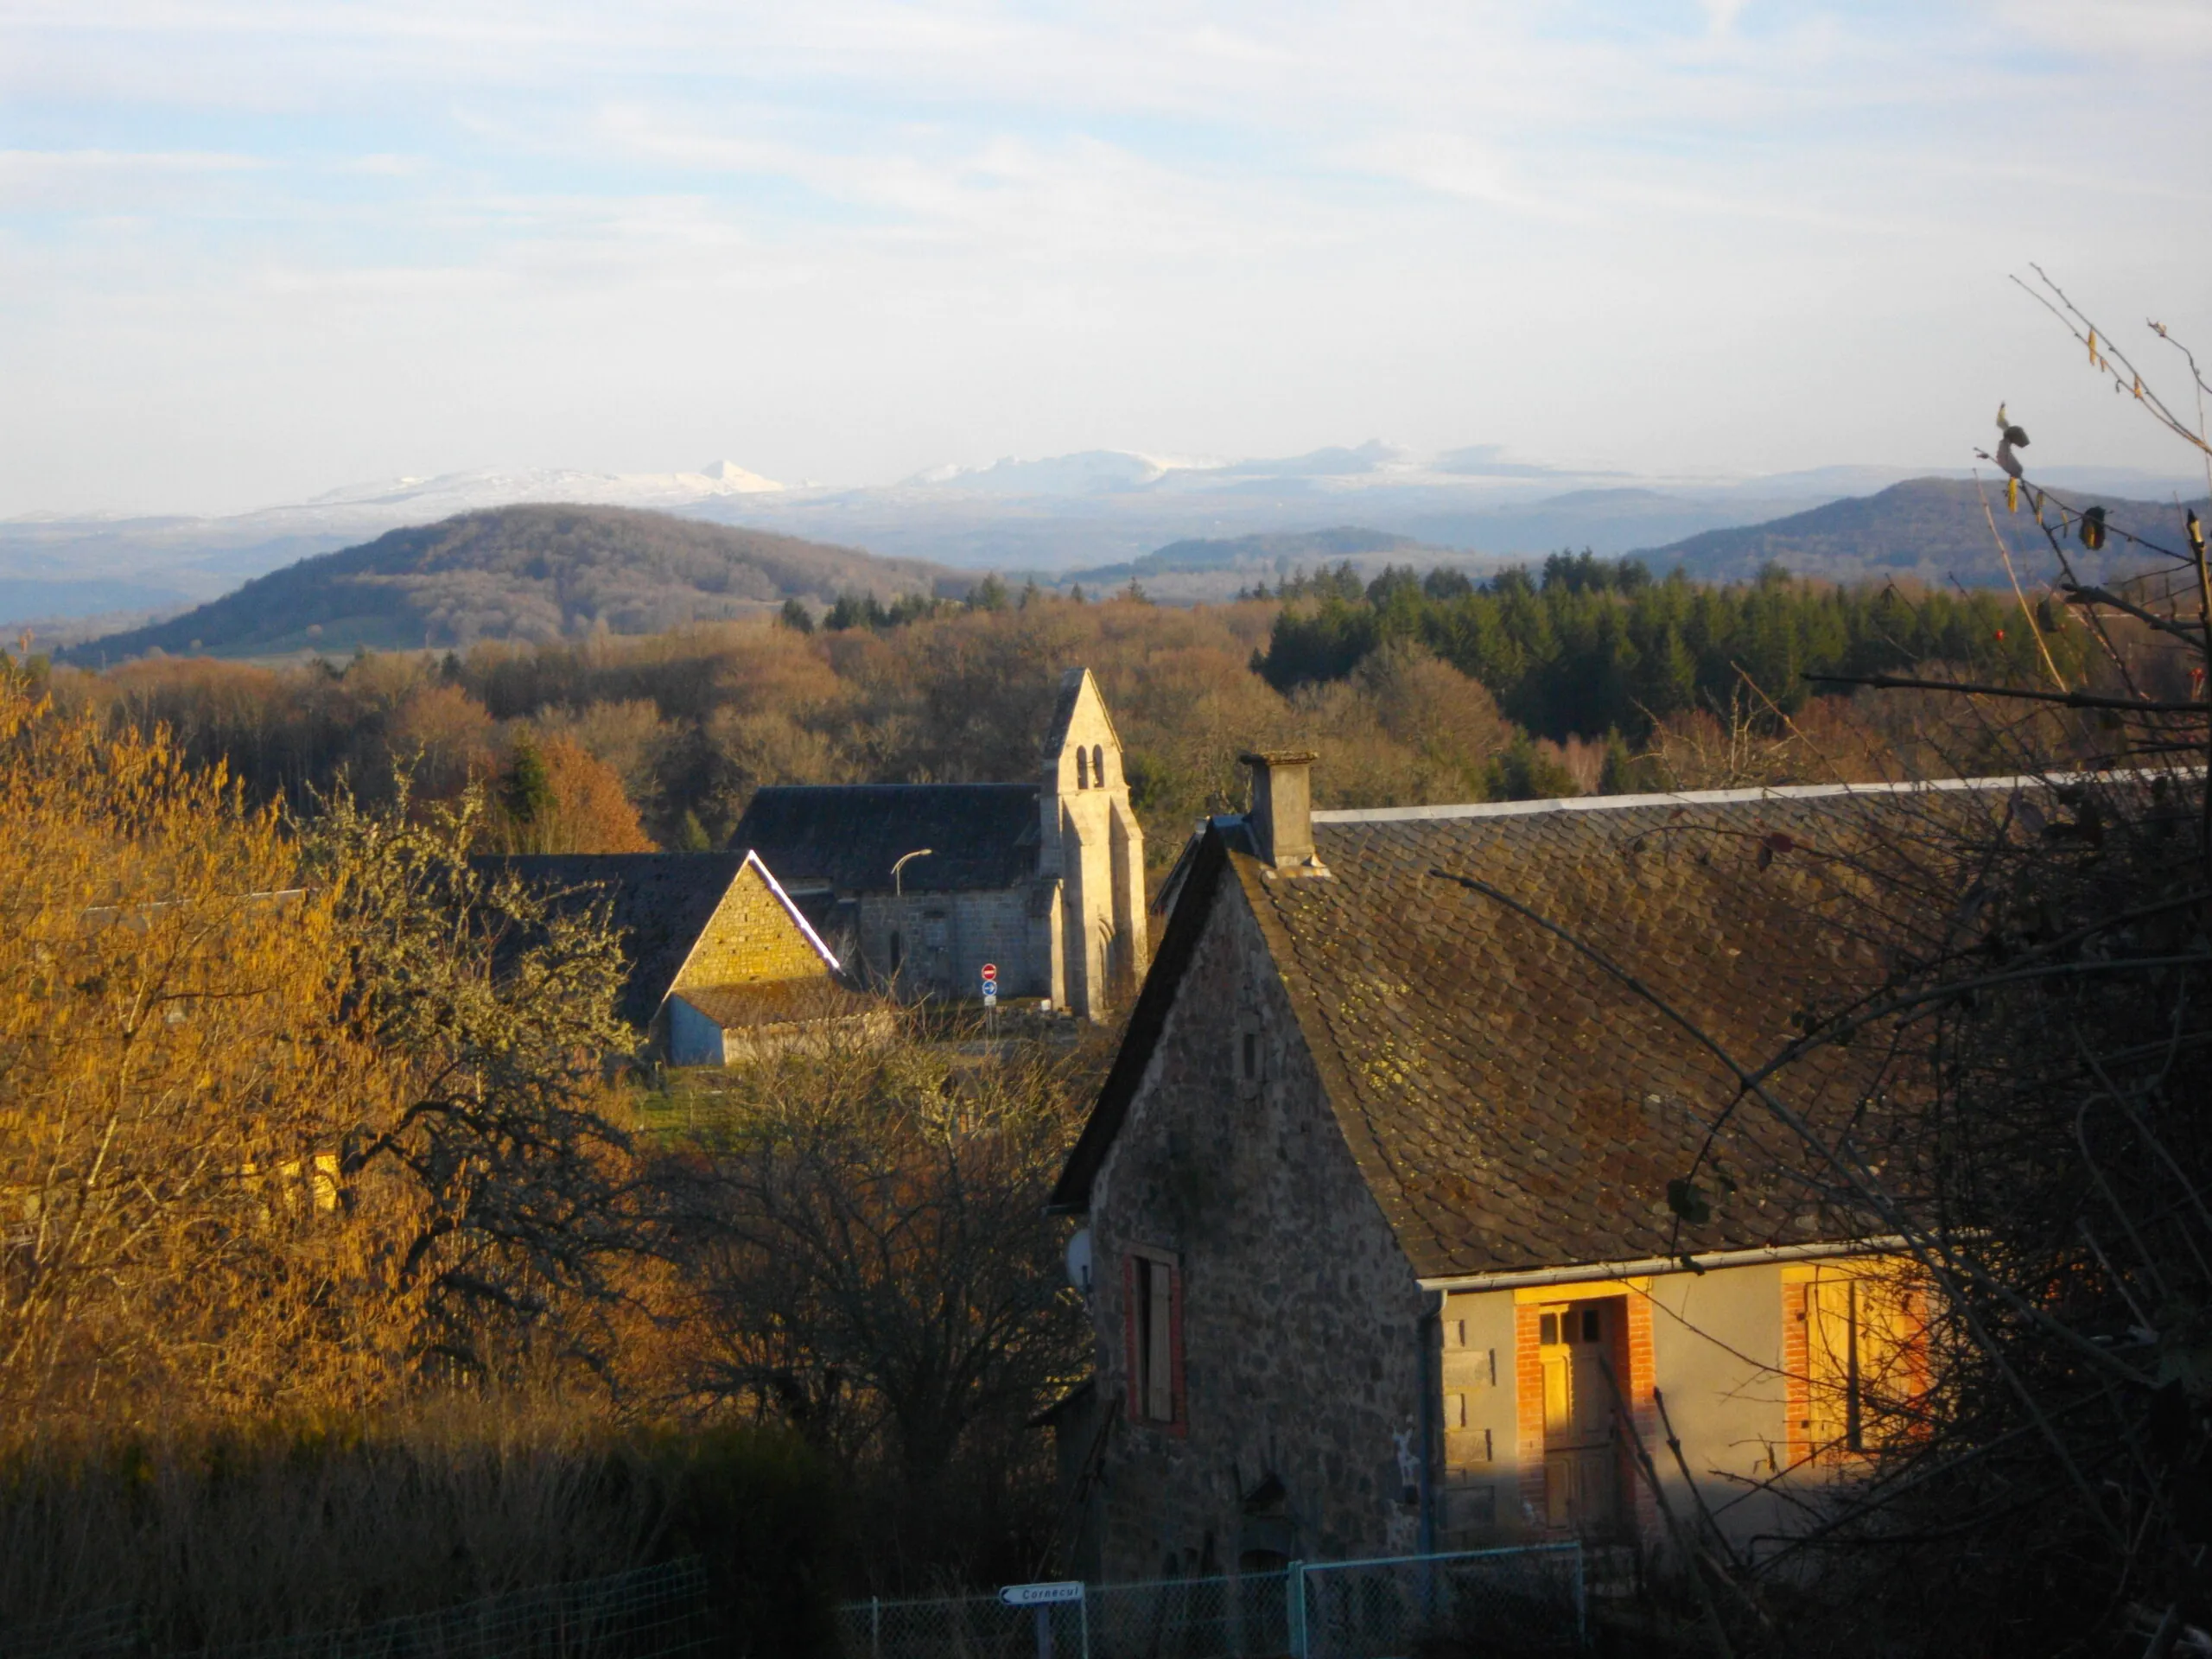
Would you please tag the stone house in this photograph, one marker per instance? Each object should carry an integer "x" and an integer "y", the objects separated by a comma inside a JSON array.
[
  {"x": 723, "y": 966},
  {"x": 920, "y": 884},
  {"x": 1375, "y": 1197}
]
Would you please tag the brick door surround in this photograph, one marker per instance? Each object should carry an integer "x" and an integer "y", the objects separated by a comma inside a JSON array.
[{"x": 1632, "y": 1363}]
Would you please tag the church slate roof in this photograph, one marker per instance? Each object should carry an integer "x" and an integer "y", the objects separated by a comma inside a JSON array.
[
  {"x": 1063, "y": 707},
  {"x": 983, "y": 835},
  {"x": 1511, "y": 1105},
  {"x": 661, "y": 902}
]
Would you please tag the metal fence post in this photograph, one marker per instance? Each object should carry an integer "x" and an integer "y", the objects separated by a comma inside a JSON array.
[
  {"x": 1582, "y": 1599},
  {"x": 1295, "y": 1582},
  {"x": 875, "y": 1626}
]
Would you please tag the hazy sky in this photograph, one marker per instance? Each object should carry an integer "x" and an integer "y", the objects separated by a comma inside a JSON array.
[{"x": 251, "y": 248}]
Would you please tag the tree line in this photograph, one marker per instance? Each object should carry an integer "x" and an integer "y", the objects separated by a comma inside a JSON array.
[
  {"x": 1583, "y": 645},
  {"x": 1583, "y": 676}
]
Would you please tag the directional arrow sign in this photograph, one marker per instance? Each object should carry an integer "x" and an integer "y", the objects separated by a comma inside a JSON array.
[{"x": 1041, "y": 1595}]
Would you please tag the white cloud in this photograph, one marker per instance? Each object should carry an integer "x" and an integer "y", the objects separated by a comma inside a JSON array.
[{"x": 853, "y": 237}]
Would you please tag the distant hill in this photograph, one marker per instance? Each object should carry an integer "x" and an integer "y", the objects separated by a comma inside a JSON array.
[
  {"x": 1930, "y": 528},
  {"x": 1272, "y": 552},
  {"x": 520, "y": 573}
]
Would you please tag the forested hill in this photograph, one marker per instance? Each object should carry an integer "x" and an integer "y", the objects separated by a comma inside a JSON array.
[
  {"x": 1930, "y": 528},
  {"x": 1592, "y": 646},
  {"x": 520, "y": 573}
]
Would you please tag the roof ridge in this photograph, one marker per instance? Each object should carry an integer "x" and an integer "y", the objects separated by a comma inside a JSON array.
[
  {"x": 1689, "y": 797},
  {"x": 793, "y": 789}
]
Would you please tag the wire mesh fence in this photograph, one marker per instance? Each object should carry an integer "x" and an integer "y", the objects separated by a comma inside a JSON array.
[
  {"x": 1522, "y": 1600},
  {"x": 652, "y": 1612},
  {"x": 1514, "y": 1600},
  {"x": 962, "y": 1627},
  {"x": 102, "y": 1631},
  {"x": 1192, "y": 1618}
]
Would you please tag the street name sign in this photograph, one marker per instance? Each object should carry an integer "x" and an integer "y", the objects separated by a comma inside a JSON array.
[{"x": 1042, "y": 1595}]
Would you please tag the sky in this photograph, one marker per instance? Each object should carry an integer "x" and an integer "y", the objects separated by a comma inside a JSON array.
[{"x": 253, "y": 250}]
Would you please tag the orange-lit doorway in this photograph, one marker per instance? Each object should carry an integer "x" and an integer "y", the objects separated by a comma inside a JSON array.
[{"x": 1576, "y": 1342}]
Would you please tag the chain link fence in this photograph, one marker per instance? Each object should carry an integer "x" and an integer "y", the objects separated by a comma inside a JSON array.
[
  {"x": 1525, "y": 1600},
  {"x": 1508, "y": 1600},
  {"x": 652, "y": 1612}
]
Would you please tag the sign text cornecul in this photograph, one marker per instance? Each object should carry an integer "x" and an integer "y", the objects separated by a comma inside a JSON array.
[{"x": 1041, "y": 1595}]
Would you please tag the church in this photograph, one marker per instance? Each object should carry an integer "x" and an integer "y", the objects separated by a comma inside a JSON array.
[{"x": 918, "y": 886}]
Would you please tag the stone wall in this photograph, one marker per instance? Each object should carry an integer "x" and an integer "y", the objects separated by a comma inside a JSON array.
[
  {"x": 751, "y": 939},
  {"x": 1302, "y": 1329},
  {"x": 944, "y": 939}
]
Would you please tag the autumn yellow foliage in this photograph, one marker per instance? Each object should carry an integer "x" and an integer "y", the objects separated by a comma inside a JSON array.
[
  {"x": 176, "y": 1075},
  {"x": 290, "y": 1109}
]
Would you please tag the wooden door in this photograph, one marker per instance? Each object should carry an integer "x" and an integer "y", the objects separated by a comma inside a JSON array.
[{"x": 1582, "y": 1462}]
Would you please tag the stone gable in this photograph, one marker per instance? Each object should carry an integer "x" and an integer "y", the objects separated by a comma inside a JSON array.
[
  {"x": 1301, "y": 1349},
  {"x": 752, "y": 938}
]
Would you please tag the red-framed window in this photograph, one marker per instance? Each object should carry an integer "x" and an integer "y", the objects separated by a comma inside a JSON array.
[{"x": 1152, "y": 1302}]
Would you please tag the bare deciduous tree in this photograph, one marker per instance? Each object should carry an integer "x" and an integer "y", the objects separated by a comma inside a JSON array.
[{"x": 869, "y": 1263}]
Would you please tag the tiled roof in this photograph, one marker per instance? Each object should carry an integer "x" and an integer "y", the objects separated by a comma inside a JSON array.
[
  {"x": 982, "y": 836},
  {"x": 777, "y": 1002},
  {"x": 1070, "y": 693},
  {"x": 661, "y": 901},
  {"x": 1512, "y": 1105}
]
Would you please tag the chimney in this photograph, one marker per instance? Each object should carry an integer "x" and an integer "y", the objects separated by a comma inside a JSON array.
[{"x": 1281, "y": 817}]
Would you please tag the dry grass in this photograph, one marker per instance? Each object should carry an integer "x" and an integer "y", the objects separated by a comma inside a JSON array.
[{"x": 231, "y": 1533}]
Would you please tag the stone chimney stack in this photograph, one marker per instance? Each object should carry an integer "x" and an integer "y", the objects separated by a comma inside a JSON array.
[{"x": 1281, "y": 817}]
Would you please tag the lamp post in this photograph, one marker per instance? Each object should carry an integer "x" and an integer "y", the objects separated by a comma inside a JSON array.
[{"x": 898, "y": 889}]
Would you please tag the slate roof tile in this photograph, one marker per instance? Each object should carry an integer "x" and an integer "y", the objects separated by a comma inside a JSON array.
[
  {"x": 661, "y": 902},
  {"x": 1511, "y": 1105},
  {"x": 983, "y": 837}
]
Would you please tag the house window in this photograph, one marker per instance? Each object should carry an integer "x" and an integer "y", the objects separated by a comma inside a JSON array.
[
  {"x": 1863, "y": 1360},
  {"x": 1098, "y": 764},
  {"x": 1153, "y": 1286},
  {"x": 1251, "y": 1056},
  {"x": 1082, "y": 769}
]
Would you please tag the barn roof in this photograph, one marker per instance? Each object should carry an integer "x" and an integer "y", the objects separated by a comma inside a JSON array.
[
  {"x": 1512, "y": 1105},
  {"x": 660, "y": 901},
  {"x": 778, "y": 1001},
  {"x": 982, "y": 836}
]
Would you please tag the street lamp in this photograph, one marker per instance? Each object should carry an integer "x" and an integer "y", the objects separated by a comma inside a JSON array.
[{"x": 898, "y": 888}]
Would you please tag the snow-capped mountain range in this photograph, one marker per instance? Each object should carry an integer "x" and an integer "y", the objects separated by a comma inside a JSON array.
[{"x": 1054, "y": 513}]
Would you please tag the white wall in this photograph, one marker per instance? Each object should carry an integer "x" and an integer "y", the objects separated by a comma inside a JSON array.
[{"x": 1716, "y": 1361}]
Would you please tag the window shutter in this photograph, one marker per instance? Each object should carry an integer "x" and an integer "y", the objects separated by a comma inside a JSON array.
[
  {"x": 1158, "y": 1339},
  {"x": 1178, "y": 1401},
  {"x": 1132, "y": 1332},
  {"x": 1828, "y": 1342}
]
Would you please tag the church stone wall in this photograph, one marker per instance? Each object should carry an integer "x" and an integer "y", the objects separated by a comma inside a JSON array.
[{"x": 944, "y": 938}]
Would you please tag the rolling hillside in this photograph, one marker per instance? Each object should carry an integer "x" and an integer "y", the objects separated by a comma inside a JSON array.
[
  {"x": 1930, "y": 528},
  {"x": 1271, "y": 553},
  {"x": 520, "y": 573}
]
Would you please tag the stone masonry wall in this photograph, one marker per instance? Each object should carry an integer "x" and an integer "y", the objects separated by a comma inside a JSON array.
[
  {"x": 946, "y": 937},
  {"x": 1301, "y": 1320},
  {"x": 750, "y": 939}
]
